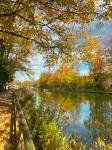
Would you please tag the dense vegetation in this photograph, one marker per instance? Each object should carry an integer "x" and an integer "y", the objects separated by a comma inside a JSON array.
[
  {"x": 66, "y": 78},
  {"x": 10, "y": 62}
]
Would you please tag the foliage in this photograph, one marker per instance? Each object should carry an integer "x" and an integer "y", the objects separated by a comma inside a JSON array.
[
  {"x": 96, "y": 55},
  {"x": 92, "y": 52},
  {"x": 62, "y": 77},
  {"x": 108, "y": 51},
  {"x": 43, "y": 23},
  {"x": 65, "y": 77},
  {"x": 44, "y": 124},
  {"x": 26, "y": 84},
  {"x": 6, "y": 64},
  {"x": 10, "y": 62},
  {"x": 6, "y": 74}
]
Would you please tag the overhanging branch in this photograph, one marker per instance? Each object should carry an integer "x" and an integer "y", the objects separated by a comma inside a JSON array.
[{"x": 42, "y": 44}]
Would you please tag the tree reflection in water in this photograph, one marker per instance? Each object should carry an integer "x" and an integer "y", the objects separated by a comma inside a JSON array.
[{"x": 90, "y": 115}]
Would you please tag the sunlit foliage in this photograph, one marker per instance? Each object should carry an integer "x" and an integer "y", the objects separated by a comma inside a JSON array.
[
  {"x": 65, "y": 77},
  {"x": 44, "y": 23}
]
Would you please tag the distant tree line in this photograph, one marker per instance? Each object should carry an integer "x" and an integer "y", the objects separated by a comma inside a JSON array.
[{"x": 67, "y": 78}]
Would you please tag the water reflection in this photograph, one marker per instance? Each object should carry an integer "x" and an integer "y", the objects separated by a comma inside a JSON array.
[
  {"x": 90, "y": 115},
  {"x": 36, "y": 100},
  {"x": 77, "y": 124},
  {"x": 82, "y": 113}
]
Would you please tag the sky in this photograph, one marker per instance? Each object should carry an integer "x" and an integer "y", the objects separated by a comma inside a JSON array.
[{"x": 97, "y": 28}]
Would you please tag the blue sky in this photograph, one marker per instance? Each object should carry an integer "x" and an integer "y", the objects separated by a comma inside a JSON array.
[
  {"x": 97, "y": 28},
  {"x": 83, "y": 68}
]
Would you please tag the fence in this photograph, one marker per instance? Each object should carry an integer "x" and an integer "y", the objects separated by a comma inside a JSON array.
[{"x": 20, "y": 134}]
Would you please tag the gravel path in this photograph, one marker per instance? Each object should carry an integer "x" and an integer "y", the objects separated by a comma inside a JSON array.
[{"x": 5, "y": 119}]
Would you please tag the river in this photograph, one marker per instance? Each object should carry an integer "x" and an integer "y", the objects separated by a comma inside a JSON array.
[{"x": 90, "y": 115}]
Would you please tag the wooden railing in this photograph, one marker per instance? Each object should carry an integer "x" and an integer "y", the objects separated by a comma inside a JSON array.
[{"x": 20, "y": 134}]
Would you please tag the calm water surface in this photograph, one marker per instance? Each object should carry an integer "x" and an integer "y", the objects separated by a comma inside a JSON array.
[{"x": 90, "y": 115}]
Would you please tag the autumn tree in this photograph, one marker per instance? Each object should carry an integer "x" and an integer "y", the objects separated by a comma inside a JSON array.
[
  {"x": 63, "y": 77},
  {"x": 43, "y": 81},
  {"x": 26, "y": 84},
  {"x": 10, "y": 62},
  {"x": 108, "y": 52},
  {"x": 94, "y": 53},
  {"x": 101, "y": 68},
  {"x": 46, "y": 23}
]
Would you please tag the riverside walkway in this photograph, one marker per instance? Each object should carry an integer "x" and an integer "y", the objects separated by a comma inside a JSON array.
[
  {"x": 14, "y": 131},
  {"x": 5, "y": 119}
]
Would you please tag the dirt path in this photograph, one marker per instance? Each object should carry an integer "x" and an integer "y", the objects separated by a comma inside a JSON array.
[{"x": 5, "y": 119}]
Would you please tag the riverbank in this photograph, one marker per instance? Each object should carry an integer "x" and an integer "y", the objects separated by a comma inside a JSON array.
[
  {"x": 96, "y": 92},
  {"x": 78, "y": 90},
  {"x": 87, "y": 115}
]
